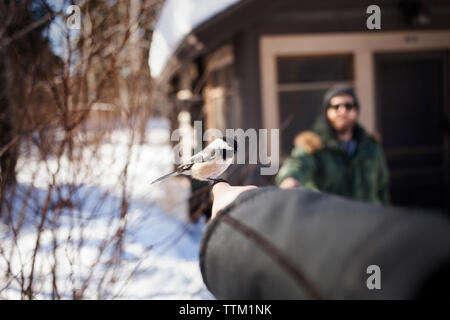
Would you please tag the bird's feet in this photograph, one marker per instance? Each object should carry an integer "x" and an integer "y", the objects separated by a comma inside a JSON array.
[{"x": 216, "y": 180}]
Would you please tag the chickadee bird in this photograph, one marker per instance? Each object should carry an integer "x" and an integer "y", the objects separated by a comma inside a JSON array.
[{"x": 208, "y": 164}]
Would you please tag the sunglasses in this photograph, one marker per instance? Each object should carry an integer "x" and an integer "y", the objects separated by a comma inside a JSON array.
[{"x": 349, "y": 106}]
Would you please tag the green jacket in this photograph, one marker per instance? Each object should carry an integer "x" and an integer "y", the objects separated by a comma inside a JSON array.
[{"x": 319, "y": 163}]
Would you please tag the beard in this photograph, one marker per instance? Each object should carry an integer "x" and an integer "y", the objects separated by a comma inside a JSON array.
[{"x": 343, "y": 127}]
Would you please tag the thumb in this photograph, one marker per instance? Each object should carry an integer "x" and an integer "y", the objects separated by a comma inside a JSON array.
[{"x": 224, "y": 194}]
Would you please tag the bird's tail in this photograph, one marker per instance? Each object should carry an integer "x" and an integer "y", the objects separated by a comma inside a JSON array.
[{"x": 174, "y": 173}]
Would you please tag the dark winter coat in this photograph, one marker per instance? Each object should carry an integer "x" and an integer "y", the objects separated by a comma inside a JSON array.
[{"x": 300, "y": 244}]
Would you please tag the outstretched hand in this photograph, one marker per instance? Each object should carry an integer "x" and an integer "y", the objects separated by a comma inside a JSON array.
[
  {"x": 289, "y": 183},
  {"x": 224, "y": 194}
]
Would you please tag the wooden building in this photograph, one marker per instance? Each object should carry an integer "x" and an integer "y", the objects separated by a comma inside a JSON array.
[{"x": 267, "y": 63}]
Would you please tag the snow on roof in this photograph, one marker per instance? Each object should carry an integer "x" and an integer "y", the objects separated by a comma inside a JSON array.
[{"x": 178, "y": 18}]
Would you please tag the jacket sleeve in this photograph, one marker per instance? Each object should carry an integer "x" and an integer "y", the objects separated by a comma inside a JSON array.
[
  {"x": 383, "y": 178},
  {"x": 299, "y": 244},
  {"x": 301, "y": 166}
]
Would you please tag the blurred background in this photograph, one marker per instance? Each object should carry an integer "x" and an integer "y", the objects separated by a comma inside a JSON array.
[{"x": 87, "y": 110}]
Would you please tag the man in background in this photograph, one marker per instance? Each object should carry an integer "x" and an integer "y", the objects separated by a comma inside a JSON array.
[{"x": 338, "y": 156}]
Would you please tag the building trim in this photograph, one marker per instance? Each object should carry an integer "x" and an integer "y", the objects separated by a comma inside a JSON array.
[{"x": 363, "y": 45}]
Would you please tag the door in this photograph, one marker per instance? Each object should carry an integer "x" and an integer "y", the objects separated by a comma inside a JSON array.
[{"x": 413, "y": 117}]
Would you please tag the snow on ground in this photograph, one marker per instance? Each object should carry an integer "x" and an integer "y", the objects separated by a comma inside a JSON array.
[{"x": 160, "y": 250}]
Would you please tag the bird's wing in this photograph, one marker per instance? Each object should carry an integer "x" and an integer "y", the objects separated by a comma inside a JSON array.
[{"x": 206, "y": 155}]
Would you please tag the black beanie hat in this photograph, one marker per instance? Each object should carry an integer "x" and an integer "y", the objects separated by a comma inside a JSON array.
[
  {"x": 336, "y": 91},
  {"x": 330, "y": 94}
]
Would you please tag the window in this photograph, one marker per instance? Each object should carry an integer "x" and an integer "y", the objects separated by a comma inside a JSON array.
[
  {"x": 221, "y": 96},
  {"x": 302, "y": 82}
]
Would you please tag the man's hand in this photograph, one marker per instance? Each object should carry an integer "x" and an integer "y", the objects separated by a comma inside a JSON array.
[
  {"x": 289, "y": 183},
  {"x": 224, "y": 194}
]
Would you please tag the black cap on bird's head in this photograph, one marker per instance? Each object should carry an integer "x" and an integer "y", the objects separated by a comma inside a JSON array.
[{"x": 231, "y": 142}]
